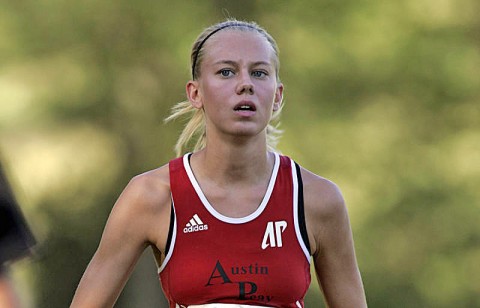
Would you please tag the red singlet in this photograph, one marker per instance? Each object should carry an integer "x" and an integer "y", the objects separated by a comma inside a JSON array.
[{"x": 262, "y": 259}]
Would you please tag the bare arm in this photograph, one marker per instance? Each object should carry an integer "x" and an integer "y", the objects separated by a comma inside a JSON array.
[
  {"x": 8, "y": 297},
  {"x": 129, "y": 230},
  {"x": 332, "y": 244}
]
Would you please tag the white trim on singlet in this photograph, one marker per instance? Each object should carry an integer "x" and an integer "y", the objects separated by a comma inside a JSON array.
[
  {"x": 221, "y": 306},
  {"x": 172, "y": 240},
  {"x": 224, "y": 218},
  {"x": 228, "y": 306},
  {"x": 295, "y": 211}
]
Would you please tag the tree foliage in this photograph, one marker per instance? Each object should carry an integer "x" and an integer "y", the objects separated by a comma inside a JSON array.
[{"x": 381, "y": 97}]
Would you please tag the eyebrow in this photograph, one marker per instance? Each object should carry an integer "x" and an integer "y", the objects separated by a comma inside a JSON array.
[{"x": 234, "y": 63}]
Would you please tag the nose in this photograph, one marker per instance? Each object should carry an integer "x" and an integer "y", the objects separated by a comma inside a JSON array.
[{"x": 245, "y": 85}]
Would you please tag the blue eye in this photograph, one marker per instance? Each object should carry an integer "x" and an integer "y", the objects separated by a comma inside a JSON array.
[
  {"x": 225, "y": 72},
  {"x": 259, "y": 74}
]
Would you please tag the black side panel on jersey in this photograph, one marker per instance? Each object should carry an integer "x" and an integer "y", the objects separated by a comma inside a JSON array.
[
  {"x": 301, "y": 210},
  {"x": 170, "y": 229}
]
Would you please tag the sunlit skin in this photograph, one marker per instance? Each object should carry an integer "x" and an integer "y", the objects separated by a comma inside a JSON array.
[
  {"x": 238, "y": 69},
  {"x": 8, "y": 297}
]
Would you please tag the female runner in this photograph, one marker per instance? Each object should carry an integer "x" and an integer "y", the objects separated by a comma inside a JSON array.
[{"x": 234, "y": 223}]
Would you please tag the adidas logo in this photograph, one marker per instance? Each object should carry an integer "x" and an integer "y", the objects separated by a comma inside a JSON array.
[{"x": 195, "y": 224}]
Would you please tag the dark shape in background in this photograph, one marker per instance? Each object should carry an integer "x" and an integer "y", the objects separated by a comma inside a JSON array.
[{"x": 16, "y": 238}]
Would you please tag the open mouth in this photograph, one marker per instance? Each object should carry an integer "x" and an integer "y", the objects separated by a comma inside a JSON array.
[{"x": 245, "y": 107}]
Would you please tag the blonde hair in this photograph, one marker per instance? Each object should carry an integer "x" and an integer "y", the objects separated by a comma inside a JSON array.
[{"x": 195, "y": 127}]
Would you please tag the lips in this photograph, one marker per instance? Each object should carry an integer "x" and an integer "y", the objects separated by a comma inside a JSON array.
[{"x": 245, "y": 106}]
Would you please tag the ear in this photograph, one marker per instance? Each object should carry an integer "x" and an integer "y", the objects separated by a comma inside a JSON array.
[
  {"x": 193, "y": 94},
  {"x": 277, "y": 103}
]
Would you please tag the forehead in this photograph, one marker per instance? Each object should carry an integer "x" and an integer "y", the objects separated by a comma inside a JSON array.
[{"x": 238, "y": 45}]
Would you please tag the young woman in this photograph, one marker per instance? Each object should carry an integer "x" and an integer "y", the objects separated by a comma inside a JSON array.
[{"x": 233, "y": 223}]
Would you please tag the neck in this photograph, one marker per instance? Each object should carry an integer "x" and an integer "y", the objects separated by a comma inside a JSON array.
[{"x": 234, "y": 162}]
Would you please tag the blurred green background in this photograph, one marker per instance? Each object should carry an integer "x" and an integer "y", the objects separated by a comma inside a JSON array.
[{"x": 382, "y": 97}]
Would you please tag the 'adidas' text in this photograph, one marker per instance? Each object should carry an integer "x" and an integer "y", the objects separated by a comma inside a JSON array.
[{"x": 195, "y": 224}]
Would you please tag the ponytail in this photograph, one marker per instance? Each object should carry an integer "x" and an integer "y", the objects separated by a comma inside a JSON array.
[{"x": 194, "y": 129}]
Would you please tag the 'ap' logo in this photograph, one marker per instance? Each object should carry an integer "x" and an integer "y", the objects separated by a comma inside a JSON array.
[{"x": 273, "y": 234}]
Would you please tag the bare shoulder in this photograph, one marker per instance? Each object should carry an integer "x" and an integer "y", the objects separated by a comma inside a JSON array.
[
  {"x": 151, "y": 189},
  {"x": 139, "y": 218},
  {"x": 325, "y": 209},
  {"x": 143, "y": 208},
  {"x": 323, "y": 197}
]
